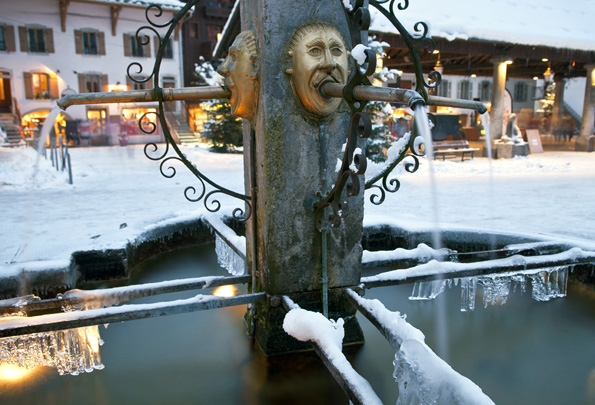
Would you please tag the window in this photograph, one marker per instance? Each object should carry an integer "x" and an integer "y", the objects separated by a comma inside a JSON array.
[
  {"x": 444, "y": 88},
  {"x": 485, "y": 90},
  {"x": 40, "y": 85},
  {"x": 36, "y": 39},
  {"x": 2, "y": 39},
  {"x": 142, "y": 85},
  {"x": 213, "y": 31},
  {"x": 521, "y": 91},
  {"x": 167, "y": 51},
  {"x": 193, "y": 30},
  {"x": 133, "y": 47},
  {"x": 92, "y": 82},
  {"x": 89, "y": 42},
  {"x": 465, "y": 90}
]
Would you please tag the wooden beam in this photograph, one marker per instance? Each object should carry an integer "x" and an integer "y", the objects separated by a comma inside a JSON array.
[
  {"x": 115, "y": 15},
  {"x": 63, "y": 13}
]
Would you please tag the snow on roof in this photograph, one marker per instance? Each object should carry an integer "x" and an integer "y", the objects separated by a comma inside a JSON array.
[
  {"x": 554, "y": 23},
  {"x": 166, "y": 4}
]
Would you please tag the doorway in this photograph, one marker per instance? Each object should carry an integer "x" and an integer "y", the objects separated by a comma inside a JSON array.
[{"x": 5, "y": 93}]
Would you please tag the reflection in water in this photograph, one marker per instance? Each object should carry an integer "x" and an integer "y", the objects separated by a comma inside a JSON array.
[
  {"x": 206, "y": 358},
  {"x": 13, "y": 373},
  {"x": 226, "y": 291}
]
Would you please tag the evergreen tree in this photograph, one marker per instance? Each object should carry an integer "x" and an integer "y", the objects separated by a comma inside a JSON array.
[{"x": 223, "y": 130}]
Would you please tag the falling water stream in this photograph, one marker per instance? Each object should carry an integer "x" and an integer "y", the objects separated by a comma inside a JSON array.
[{"x": 423, "y": 126}]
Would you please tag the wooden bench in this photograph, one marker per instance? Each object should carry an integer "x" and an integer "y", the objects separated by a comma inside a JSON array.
[{"x": 450, "y": 148}]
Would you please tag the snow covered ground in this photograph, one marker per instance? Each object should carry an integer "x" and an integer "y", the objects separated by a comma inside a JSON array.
[{"x": 118, "y": 193}]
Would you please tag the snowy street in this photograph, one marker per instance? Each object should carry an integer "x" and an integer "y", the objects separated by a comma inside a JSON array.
[{"x": 118, "y": 192}]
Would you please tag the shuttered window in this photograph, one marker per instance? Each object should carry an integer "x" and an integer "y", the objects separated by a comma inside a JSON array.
[
  {"x": 36, "y": 39},
  {"x": 444, "y": 88},
  {"x": 132, "y": 85},
  {"x": 89, "y": 42},
  {"x": 521, "y": 92},
  {"x": 465, "y": 90},
  {"x": 167, "y": 51},
  {"x": 40, "y": 86},
  {"x": 133, "y": 47},
  {"x": 92, "y": 82},
  {"x": 485, "y": 90}
]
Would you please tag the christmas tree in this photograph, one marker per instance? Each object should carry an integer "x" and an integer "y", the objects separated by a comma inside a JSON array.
[{"x": 223, "y": 130}]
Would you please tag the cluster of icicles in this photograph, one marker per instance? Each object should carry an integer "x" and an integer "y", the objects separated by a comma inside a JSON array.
[
  {"x": 70, "y": 351},
  {"x": 546, "y": 284}
]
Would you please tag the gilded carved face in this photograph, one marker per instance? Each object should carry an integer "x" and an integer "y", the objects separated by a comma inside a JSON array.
[
  {"x": 318, "y": 55},
  {"x": 239, "y": 72}
]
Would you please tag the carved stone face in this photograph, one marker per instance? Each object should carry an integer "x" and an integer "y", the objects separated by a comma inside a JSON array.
[
  {"x": 239, "y": 73},
  {"x": 318, "y": 55}
]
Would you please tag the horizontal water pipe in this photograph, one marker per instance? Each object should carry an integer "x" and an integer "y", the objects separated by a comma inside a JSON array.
[
  {"x": 120, "y": 294},
  {"x": 18, "y": 326},
  {"x": 144, "y": 96},
  {"x": 489, "y": 267},
  {"x": 400, "y": 96}
]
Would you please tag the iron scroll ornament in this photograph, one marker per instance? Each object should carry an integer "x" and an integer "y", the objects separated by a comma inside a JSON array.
[
  {"x": 151, "y": 150},
  {"x": 354, "y": 164},
  {"x": 417, "y": 43}
]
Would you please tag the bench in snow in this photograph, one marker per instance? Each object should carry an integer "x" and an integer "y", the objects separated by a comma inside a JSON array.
[{"x": 450, "y": 148}]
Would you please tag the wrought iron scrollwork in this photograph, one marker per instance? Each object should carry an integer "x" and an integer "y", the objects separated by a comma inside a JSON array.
[
  {"x": 206, "y": 190},
  {"x": 353, "y": 165},
  {"x": 416, "y": 43}
]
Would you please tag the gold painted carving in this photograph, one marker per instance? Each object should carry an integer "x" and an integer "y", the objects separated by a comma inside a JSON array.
[
  {"x": 240, "y": 71},
  {"x": 318, "y": 55}
]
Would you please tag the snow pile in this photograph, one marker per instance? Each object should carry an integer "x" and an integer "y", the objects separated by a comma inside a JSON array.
[
  {"x": 422, "y": 376},
  {"x": 328, "y": 335},
  {"x": 422, "y": 253},
  {"x": 307, "y": 326},
  {"x": 23, "y": 168}
]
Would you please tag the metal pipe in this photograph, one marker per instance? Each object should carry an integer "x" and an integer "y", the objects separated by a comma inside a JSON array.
[
  {"x": 457, "y": 103},
  {"x": 400, "y": 96},
  {"x": 117, "y": 295},
  {"x": 145, "y": 96},
  {"x": 17, "y": 326}
]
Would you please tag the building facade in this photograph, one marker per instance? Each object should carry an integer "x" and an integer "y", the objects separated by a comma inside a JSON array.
[{"x": 49, "y": 48}]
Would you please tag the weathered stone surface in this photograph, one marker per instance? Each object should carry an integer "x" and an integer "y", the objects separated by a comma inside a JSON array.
[
  {"x": 295, "y": 157},
  {"x": 585, "y": 144}
]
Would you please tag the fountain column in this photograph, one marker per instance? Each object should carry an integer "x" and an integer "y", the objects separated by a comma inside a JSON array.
[
  {"x": 585, "y": 141},
  {"x": 294, "y": 158},
  {"x": 498, "y": 89}
]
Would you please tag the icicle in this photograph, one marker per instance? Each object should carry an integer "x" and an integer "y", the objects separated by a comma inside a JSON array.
[
  {"x": 71, "y": 351},
  {"x": 427, "y": 290},
  {"x": 468, "y": 290},
  {"x": 227, "y": 258}
]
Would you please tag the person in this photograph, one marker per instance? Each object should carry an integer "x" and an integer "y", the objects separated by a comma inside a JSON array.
[
  {"x": 318, "y": 55},
  {"x": 240, "y": 70}
]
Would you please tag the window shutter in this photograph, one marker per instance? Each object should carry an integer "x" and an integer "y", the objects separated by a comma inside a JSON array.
[
  {"x": 149, "y": 84},
  {"x": 101, "y": 42},
  {"x": 104, "y": 83},
  {"x": 156, "y": 45},
  {"x": 49, "y": 40},
  {"x": 78, "y": 42},
  {"x": 82, "y": 83},
  {"x": 54, "y": 92},
  {"x": 27, "y": 78},
  {"x": 127, "y": 50},
  {"x": 9, "y": 32},
  {"x": 129, "y": 83},
  {"x": 147, "y": 49},
  {"x": 24, "y": 39}
]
